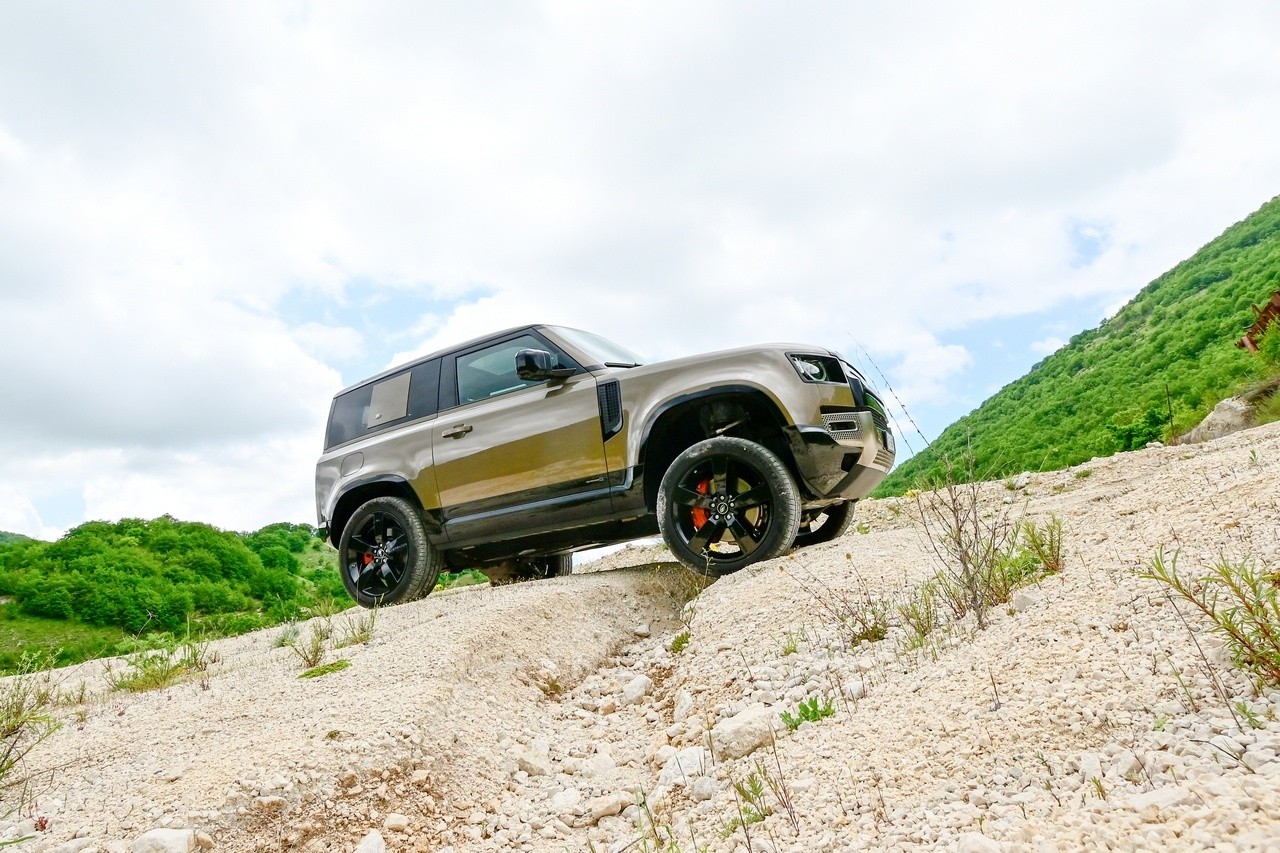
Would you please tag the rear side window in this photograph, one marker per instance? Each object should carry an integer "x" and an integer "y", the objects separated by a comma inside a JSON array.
[{"x": 400, "y": 398}]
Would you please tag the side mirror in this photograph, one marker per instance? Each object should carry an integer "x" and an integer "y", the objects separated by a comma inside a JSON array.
[{"x": 540, "y": 365}]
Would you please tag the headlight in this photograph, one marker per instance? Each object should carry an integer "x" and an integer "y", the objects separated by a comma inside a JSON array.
[{"x": 817, "y": 368}]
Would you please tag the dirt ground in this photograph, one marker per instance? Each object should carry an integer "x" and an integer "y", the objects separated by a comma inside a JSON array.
[{"x": 619, "y": 709}]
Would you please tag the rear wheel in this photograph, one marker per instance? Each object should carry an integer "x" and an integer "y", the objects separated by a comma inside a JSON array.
[
  {"x": 726, "y": 503},
  {"x": 535, "y": 568},
  {"x": 827, "y": 524},
  {"x": 556, "y": 565},
  {"x": 384, "y": 556}
]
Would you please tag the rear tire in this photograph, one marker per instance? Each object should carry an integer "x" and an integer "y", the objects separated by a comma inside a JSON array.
[
  {"x": 384, "y": 556},
  {"x": 556, "y": 565},
  {"x": 726, "y": 503},
  {"x": 830, "y": 523}
]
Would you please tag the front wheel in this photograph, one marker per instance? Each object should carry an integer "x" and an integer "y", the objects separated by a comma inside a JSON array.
[
  {"x": 726, "y": 503},
  {"x": 384, "y": 556}
]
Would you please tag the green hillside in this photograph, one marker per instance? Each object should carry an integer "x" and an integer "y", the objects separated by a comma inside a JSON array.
[
  {"x": 6, "y": 537},
  {"x": 106, "y": 582},
  {"x": 1110, "y": 388}
]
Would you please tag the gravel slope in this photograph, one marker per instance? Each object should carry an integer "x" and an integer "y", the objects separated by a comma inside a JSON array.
[{"x": 534, "y": 717}]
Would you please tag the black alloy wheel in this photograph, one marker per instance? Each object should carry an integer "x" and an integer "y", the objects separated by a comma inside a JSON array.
[
  {"x": 726, "y": 503},
  {"x": 384, "y": 555}
]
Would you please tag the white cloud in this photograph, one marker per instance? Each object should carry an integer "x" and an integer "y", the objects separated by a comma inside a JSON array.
[
  {"x": 208, "y": 214},
  {"x": 332, "y": 342},
  {"x": 1047, "y": 346},
  {"x": 237, "y": 486},
  {"x": 18, "y": 515}
]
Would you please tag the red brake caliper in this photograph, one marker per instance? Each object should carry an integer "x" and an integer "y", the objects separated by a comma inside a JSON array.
[{"x": 697, "y": 514}]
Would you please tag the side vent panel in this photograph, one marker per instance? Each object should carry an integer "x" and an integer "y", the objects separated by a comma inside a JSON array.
[{"x": 610, "y": 395}]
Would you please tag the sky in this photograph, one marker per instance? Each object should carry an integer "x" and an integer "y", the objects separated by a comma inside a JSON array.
[{"x": 214, "y": 216}]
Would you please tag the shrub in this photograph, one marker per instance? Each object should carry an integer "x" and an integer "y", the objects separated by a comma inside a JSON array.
[
  {"x": 1241, "y": 603},
  {"x": 311, "y": 652},
  {"x": 24, "y": 717},
  {"x": 1269, "y": 345},
  {"x": 1044, "y": 543},
  {"x": 985, "y": 554},
  {"x": 972, "y": 546},
  {"x": 155, "y": 669}
]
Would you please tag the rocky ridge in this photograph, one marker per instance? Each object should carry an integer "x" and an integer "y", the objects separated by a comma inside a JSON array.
[{"x": 604, "y": 710}]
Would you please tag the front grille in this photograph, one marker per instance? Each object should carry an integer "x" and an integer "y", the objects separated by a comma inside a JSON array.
[
  {"x": 841, "y": 425},
  {"x": 877, "y": 411}
]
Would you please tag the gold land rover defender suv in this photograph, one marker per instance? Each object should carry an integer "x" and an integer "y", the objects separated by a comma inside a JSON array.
[{"x": 510, "y": 452}]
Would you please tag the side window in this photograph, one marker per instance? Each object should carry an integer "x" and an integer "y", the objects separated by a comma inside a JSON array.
[
  {"x": 424, "y": 389},
  {"x": 389, "y": 402},
  {"x": 491, "y": 371},
  {"x": 405, "y": 396},
  {"x": 347, "y": 418}
]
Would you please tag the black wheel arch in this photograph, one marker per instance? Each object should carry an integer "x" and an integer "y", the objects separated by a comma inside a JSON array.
[
  {"x": 360, "y": 491},
  {"x": 681, "y": 422}
]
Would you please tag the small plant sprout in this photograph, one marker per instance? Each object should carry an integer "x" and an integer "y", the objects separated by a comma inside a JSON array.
[
  {"x": 1244, "y": 711},
  {"x": 679, "y": 642},
  {"x": 749, "y": 796},
  {"x": 1099, "y": 790},
  {"x": 808, "y": 711},
  {"x": 288, "y": 636},
  {"x": 791, "y": 641}
]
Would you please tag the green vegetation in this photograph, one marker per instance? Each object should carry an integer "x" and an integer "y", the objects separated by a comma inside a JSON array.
[
  {"x": 325, "y": 669},
  {"x": 6, "y": 538},
  {"x": 25, "y": 720},
  {"x": 1241, "y": 603},
  {"x": 752, "y": 807},
  {"x": 311, "y": 652},
  {"x": 985, "y": 554},
  {"x": 1112, "y": 388},
  {"x": 808, "y": 711},
  {"x": 157, "y": 668},
  {"x": 92, "y": 591}
]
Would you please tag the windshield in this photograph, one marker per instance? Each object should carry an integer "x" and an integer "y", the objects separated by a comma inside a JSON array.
[{"x": 602, "y": 349}]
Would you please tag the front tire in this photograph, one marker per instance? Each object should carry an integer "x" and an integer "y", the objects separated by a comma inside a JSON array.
[
  {"x": 726, "y": 503},
  {"x": 384, "y": 556}
]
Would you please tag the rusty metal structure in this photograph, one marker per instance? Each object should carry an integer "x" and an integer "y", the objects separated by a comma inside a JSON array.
[{"x": 1266, "y": 314}]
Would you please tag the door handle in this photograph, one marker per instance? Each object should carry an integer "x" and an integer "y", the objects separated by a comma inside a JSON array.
[{"x": 457, "y": 431}]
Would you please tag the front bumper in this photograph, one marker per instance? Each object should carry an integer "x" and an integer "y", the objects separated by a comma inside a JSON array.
[{"x": 845, "y": 457}]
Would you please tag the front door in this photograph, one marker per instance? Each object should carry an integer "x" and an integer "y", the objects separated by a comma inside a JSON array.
[{"x": 516, "y": 457}]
